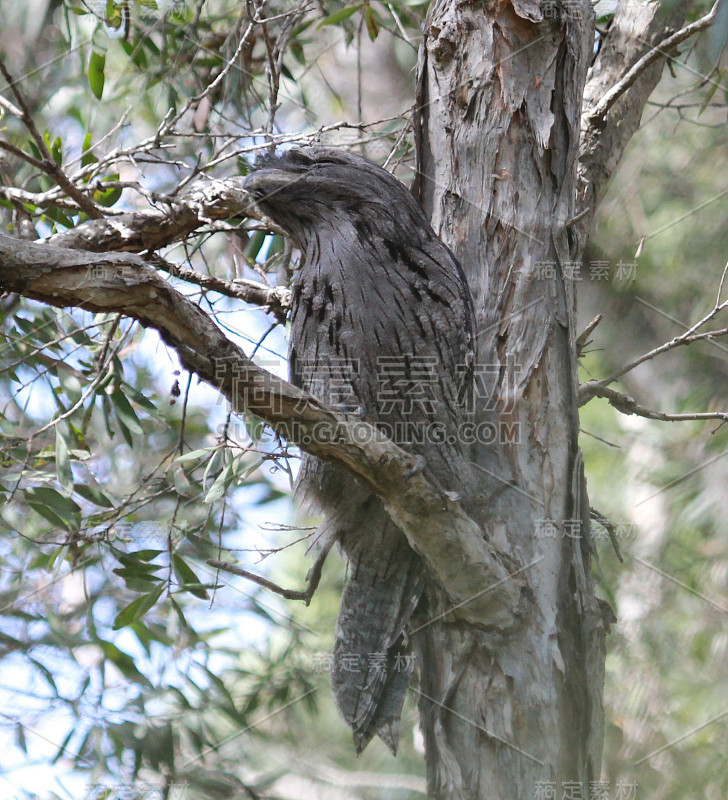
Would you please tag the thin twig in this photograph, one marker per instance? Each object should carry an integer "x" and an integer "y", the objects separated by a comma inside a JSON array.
[
  {"x": 583, "y": 338},
  {"x": 275, "y": 299},
  {"x": 314, "y": 577},
  {"x": 588, "y": 390},
  {"x": 628, "y": 405},
  {"x": 609, "y": 528},
  {"x": 48, "y": 164}
]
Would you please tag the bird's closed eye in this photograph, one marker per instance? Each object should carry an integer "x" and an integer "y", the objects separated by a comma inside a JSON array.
[{"x": 258, "y": 192}]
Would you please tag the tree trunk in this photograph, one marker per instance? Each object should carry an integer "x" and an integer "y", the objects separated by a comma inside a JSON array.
[{"x": 507, "y": 714}]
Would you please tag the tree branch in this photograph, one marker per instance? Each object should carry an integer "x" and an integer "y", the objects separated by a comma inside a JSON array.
[
  {"x": 313, "y": 579},
  {"x": 450, "y": 542},
  {"x": 178, "y": 217},
  {"x": 635, "y": 27},
  {"x": 628, "y": 405},
  {"x": 594, "y": 388},
  {"x": 276, "y": 299},
  {"x": 660, "y": 51}
]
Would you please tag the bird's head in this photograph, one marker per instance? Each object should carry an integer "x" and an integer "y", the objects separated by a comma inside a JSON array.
[{"x": 320, "y": 190}]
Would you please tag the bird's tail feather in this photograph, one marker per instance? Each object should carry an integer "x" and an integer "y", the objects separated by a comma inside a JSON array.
[{"x": 372, "y": 660}]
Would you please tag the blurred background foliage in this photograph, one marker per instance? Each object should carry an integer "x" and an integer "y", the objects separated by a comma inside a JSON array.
[{"x": 128, "y": 667}]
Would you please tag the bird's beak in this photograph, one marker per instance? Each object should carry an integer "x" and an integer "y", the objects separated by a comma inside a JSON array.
[{"x": 263, "y": 183}]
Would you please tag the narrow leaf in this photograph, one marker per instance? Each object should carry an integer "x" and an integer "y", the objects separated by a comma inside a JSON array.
[
  {"x": 96, "y": 65},
  {"x": 339, "y": 16},
  {"x": 63, "y": 463},
  {"x": 185, "y": 574}
]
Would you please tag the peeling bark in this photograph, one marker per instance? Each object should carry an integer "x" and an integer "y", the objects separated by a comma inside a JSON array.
[
  {"x": 506, "y": 710},
  {"x": 635, "y": 30},
  {"x": 500, "y": 93}
]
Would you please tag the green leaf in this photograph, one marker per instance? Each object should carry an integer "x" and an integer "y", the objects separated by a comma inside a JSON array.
[
  {"x": 126, "y": 413},
  {"x": 142, "y": 401},
  {"x": 58, "y": 216},
  {"x": 63, "y": 463},
  {"x": 277, "y": 246},
  {"x": 52, "y": 498},
  {"x": 298, "y": 52},
  {"x": 248, "y": 470},
  {"x": 218, "y": 488},
  {"x": 134, "y": 560},
  {"x": 339, "y": 16},
  {"x": 124, "y": 663},
  {"x": 107, "y": 197},
  {"x": 114, "y": 15},
  {"x": 55, "y": 148},
  {"x": 194, "y": 455},
  {"x": 88, "y": 157},
  {"x": 54, "y": 556},
  {"x": 244, "y": 166},
  {"x": 135, "y": 579},
  {"x": 181, "y": 483},
  {"x": 93, "y": 495},
  {"x": 146, "y": 555},
  {"x": 255, "y": 243},
  {"x": 96, "y": 65},
  {"x": 138, "y": 607},
  {"x": 370, "y": 18},
  {"x": 186, "y": 576}
]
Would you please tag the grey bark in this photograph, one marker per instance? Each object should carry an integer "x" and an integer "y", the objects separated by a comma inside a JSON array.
[{"x": 498, "y": 132}]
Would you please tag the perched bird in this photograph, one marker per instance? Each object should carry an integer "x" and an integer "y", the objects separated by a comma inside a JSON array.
[{"x": 382, "y": 326}]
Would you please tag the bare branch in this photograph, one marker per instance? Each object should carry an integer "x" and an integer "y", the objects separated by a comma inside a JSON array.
[
  {"x": 628, "y": 405},
  {"x": 609, "y": 528},
  {"x": 665, "y": 49},
  {"x": 583, "y": 337},
  {"x": 276, "y": 299},
  {"x": 53, "y": 198},
  {"x": 16, "y": 151},
  {"x": 10, "y": 108},
  {"x": 177, "y": 218},
  {"x": 591, "y": 389},
  {"x": 313, "y": 578}
]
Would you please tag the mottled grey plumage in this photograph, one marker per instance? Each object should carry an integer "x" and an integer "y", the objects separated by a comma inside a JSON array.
[{"x": 382, "y": 326}]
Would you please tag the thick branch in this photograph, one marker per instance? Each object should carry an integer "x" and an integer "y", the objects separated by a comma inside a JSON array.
[
  {"x": 176, "y": 218},
  {"x": 621, "y": 80},
  {"x": 451, "y": 543},
  {"x": 665, "y": 49}
]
